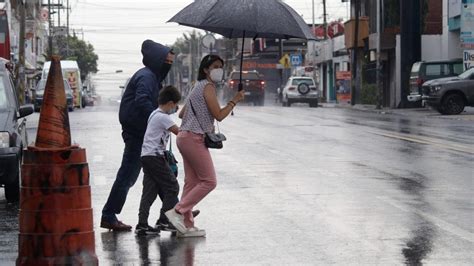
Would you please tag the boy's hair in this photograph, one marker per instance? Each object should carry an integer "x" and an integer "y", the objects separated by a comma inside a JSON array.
[{"x": 169, "y": 93}]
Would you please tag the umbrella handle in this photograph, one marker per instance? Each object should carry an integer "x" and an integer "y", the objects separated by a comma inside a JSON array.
[{"x": 241, "y": 87}]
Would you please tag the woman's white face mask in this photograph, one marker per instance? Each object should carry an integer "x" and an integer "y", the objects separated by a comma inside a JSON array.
[{"x": 216, "y": 74}]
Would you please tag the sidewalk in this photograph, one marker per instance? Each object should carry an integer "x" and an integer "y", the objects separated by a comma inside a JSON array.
[{"x": 467, "y": 115}]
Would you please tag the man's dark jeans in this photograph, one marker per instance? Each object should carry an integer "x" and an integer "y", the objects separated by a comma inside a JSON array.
[{"x": 126, "y": 177}]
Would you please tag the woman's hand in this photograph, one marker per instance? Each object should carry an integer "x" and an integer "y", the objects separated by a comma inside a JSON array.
[
  {"x": 239, "y": 96},
  {"x": 213, "y": 105}
]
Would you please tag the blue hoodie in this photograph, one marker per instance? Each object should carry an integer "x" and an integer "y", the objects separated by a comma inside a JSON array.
[{"x": 141, "y": 95}]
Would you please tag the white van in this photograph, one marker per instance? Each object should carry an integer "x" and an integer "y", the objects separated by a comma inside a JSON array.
[{"x": 72, "y": 74}]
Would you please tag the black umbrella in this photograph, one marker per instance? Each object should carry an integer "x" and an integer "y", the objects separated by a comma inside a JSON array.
[{"x": 244, "y": 19}]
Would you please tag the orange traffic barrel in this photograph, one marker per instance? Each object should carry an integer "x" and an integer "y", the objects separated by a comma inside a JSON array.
[{"x": 56, "y": 218}]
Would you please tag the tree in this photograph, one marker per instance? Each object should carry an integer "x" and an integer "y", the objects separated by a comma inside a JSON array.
[
  {"x": 189, "y": 44},
  {"x": 79, "y": 51}
]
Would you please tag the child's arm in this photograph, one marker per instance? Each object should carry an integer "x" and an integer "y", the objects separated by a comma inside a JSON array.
[
  {"x": 174, "y": 129},
  {"x": 181, "y": 113}
]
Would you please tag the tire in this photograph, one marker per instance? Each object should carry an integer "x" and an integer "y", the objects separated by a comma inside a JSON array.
[
  {"x": 285, "y": 102},
  {"x": 303, "y": 88},
  {"x": 313, "y": 104},
  {"x": 12, "y": 190},
  {"x": 260, "y": 101},
  {"x": 453, "y": 104}
]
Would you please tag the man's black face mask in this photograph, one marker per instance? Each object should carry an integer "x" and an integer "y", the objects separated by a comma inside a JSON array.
[{"x": 165, "y": 68}]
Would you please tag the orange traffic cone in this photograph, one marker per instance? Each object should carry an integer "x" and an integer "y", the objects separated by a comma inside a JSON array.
[
  {"x": 56, "y": 223},
  {"x": 53, "y": 127}
]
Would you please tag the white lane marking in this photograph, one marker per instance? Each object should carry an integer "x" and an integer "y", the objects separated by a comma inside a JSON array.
[
  {"x": 98, "y": 158},
  {"x": 444, "y": 225},
  {"x": 100, "y": 180}
]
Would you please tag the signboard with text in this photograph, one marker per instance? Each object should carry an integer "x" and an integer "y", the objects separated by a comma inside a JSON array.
[
  {"x": 468, "y": 58},
  {"x": 467, "y": 24}
]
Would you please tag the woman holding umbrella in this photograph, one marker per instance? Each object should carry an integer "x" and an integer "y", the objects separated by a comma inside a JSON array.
[{"x": 200, "y": 111}]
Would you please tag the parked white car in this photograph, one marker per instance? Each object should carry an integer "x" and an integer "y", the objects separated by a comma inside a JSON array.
[{"x": 300, "y": 89}]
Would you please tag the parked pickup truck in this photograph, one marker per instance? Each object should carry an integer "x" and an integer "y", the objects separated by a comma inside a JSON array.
[
  {"x": 450, "y": 95},
  {"x": 253, "y": 84}
]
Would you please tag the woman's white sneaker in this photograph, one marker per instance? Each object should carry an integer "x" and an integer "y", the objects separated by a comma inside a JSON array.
[
  {"x": 177, "y": 220},
  {"x": 192, "y": 232}
]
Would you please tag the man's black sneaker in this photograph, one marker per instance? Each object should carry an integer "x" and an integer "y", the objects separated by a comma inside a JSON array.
[
  {"x": 166, "y": 227},
  {"x": 145, "y": 229}
]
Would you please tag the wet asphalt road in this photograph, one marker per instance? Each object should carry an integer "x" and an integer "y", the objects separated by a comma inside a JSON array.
[{"x": 300, "y": 186}]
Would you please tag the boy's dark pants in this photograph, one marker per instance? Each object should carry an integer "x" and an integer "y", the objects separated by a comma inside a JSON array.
[{"x": 158, "y": 180}]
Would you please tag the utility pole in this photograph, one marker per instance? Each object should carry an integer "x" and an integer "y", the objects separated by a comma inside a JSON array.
[
  {"x": 354, "y": 53},
  {"x": 377, "y": 72},
  {"x": 410, "y": 44},
  {"x": 50, "y": 37},
  {"x": 59, "y": 13},
  {"x": 313, "y": 25},
  {"x": 325, "y": 25},
  {"x": 20, "y": 78},
  {"x": 67, "y": 28}
]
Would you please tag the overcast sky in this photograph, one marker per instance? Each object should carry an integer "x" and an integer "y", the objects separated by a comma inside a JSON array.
[{"x": 116, "y": 28}]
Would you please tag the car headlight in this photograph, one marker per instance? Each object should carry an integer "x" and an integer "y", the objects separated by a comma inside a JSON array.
[
  {"x": 436, "y": 88},
  {"x": 4, "y": 140}
]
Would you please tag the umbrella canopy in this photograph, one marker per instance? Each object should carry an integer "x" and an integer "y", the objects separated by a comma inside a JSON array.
[{"x": 245, "y": 18}]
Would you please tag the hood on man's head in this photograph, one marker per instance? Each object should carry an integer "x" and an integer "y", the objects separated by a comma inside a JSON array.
[{"x": 154, "y": 54}]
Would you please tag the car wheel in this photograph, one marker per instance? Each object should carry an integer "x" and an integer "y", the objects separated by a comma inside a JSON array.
[
  {"x": 440, "y": 109},
  {"x": 12, "y": 190},
  {"x": 260, "y": 101},
  {"x": 453, "y": 104}
]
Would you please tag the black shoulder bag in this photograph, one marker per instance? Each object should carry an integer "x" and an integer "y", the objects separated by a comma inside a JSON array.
[{"x": 212, "y": 140}]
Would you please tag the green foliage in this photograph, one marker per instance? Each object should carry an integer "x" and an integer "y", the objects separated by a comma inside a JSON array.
[
  {"x": 368, "y": 94},
  {"x": 189, "y": 40},
  {"x": 79, "y": 51}
]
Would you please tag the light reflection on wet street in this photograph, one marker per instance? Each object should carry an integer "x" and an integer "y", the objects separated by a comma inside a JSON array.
[{"x": 300, "y": 186}]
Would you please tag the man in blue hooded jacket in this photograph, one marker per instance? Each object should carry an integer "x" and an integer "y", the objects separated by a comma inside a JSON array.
[{"x": 139, "y": 100}]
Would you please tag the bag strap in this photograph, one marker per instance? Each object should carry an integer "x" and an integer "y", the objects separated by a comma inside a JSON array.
[
  {"x": 171, "y": 150},
  {"x": 149, "y": 118},
  {"x": 195, "y": 115}
]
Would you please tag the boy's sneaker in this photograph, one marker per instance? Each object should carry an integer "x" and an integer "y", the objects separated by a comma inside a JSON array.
[
  {"x": 145, "y": 229},
  {"x": 166, "y": 227},
  {"x": 192, "y": 232},
  {"x": 176, "y": 219},
  {"x": 196, "y": 213}
]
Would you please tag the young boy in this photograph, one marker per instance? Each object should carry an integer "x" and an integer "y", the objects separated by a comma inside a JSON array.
[{"x": 158, "y": 177}]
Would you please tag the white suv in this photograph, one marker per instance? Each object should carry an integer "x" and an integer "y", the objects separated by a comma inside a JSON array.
[{"x": 300, "y": 89}]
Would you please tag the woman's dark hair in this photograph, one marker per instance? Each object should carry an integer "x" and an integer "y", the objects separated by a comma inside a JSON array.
[
  {"x": 169, "y": 93},
  {"x": 205, "y": 63}
]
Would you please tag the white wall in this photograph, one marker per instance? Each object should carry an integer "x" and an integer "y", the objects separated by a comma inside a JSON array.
[
  {"x": 451, "y": 41},
  {"x": 431, "y": 47}
]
